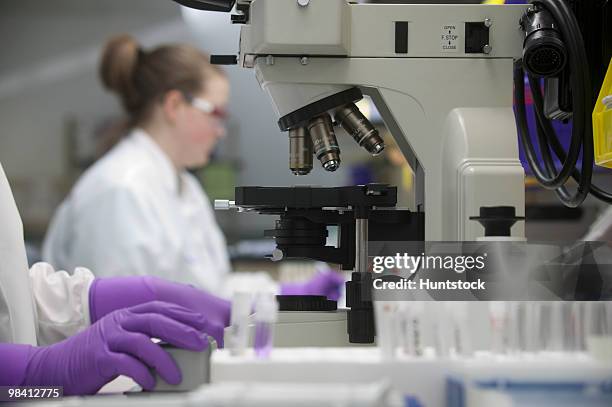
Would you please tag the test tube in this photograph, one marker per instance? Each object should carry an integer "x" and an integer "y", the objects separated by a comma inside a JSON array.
[
  {"x": 498, "y": 319},
  {"x": 410, "y": 327},
  {"x": 555, "y": 332},
  {"x": 570, "y": 339},
  {"x": 239, "y": 323},
  {"x": 515, "y": 328},
  {"x": 440, "y": 328},
  {"x": 533, "y": 327},
  {"x": 403, "y": 327},
  {"x": 458, "y": 311},
  {"x": 386, "y": 314},
  {"x": 578, "y": 308},
  {"x": 598, "y": 329},
  {"x": 266, "y": 313}
]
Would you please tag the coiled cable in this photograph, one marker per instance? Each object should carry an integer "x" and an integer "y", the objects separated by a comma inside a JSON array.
[{"x": 582, "y": 134}]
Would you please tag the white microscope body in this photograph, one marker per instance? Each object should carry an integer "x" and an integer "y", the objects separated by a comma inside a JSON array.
[{"x": 450, "y": 111}]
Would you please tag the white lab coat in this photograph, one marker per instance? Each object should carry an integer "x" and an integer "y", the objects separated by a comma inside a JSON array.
[
  {"x": 131, "y": 213},
  {"x": 40, "y": 305}
]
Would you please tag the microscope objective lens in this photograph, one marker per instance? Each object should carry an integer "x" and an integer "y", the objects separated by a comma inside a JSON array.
[
  {"x": 300, "y": 151},
  {"x": 324, "y": 142},
  {"x": 360, "y": 129}
]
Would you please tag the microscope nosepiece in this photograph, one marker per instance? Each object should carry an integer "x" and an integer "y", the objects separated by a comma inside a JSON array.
[
  {"x": 300, "y": 151},
  {"x": 324, "y": 141},
  {"x": 359, "y": 127}
]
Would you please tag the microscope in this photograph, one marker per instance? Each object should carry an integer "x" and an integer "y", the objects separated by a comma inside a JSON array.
[{"x": 441, "y": 77}]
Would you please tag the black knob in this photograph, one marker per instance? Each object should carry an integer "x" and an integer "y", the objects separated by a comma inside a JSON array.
[{"x": 497, "y": 220}]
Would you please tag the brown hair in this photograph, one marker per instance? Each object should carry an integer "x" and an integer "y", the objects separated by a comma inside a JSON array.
[{"x": 142, "y": 77}]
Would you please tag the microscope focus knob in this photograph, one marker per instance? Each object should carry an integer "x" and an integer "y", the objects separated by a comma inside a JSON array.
[{"x": 497, "y": 220}]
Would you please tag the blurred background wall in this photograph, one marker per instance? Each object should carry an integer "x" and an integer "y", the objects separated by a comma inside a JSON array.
[{"x": 53, "y": 108}]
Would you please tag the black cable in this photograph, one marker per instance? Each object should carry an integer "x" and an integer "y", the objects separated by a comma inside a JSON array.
[
  {"x": 546, "y": 132},
  {"x": 544, "y": 175},
  {"x": 588, "y": 99},
  {"x": 523, "y": 129},
  {"x": 541, "y": 174},
  {"x": 580, "y": 85},
  {"x": 543, "y": 130},
  {"x": 582, "y": 135},
  {"x": 596, "y": 191},
  {"x": 550, "y": 137}
]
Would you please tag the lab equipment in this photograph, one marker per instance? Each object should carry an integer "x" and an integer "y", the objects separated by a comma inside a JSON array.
[
  {"x": 546, "y": 381},
  {"x": 555, "y": 321},
  {"x": 554, "y": 52},
  {"x": 302, "y": 320},
  {"x": 411, "y": 325},
  {"x": 109, "y": 294},
  {"x": 300, "y": 151},
  {"x": 119, "y": 343},
  {"x": 324, "y": 142},
  {"x": 544, "y": 53},
  {"x": 498, "y": 316},
  {"x": 441, "y": 79},
  {"x": 533, "y": 323},
  {"x": 460, "y": 329},
  {"x": 516, "y": 333},
  {"x": 401, "y": 328},
  {"x": 450, "y": 329},
  {"x": 194, "y": 367},
  {"x": 461, "y": 164},
  {"x": 266, "y": 314},
  {"x": 440, "y": 328},
  {"x": 359, "y": 127},
  {"x": 431, "y": 380},
  {"x": 602, "y": 122},
  {"x": 280, "y": 394},
  {"x": 538, "y": 327},
  {"x": 239, "y": 324},
  {"x": 598, "y": 329},
  {"x": 386, "y": 313},
  {"x": 361, "y": 213},
  {"x": 313, "y": 72}
]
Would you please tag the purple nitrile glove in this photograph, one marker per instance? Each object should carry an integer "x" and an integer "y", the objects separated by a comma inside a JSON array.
[
  {"x": 109, "y": 294},
  {"x": 117, "y": 344},
  {"x": 327, "y": 283}
]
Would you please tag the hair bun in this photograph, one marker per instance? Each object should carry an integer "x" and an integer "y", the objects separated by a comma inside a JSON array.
[{"x": 118, "y": 67}]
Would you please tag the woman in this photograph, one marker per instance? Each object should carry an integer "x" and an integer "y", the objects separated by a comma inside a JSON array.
[{"x": 138, "y": 211}]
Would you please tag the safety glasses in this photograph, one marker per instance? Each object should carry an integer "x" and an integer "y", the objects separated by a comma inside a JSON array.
[{"x": 207, "y": 107}]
